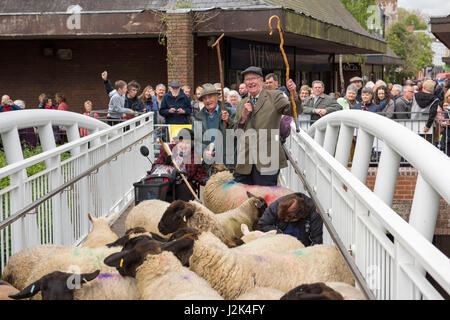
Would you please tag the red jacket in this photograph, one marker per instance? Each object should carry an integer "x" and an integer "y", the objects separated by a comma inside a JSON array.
[
  {"x": 63, "y": 106},
  {"x": 195, "y": 170}
]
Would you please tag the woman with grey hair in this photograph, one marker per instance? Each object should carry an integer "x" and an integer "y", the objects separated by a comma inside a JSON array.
[
  {"x": 349, "y": 101},
  {"x": 234, "y": 98},
  {"x": 367, "y": 101}
]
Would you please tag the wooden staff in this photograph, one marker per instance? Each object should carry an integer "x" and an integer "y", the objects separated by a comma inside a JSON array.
[
  {"x": 219, "y": 57},
  {"x": 287, "y": 66},
  {"x": 167, "y": 149}
]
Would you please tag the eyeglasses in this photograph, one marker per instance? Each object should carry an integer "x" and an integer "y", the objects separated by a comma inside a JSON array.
[{"x": 251, "y": 79}]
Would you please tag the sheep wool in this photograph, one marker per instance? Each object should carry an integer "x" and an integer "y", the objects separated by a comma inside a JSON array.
[
  {"x": 6, "y": 290},
  {"x": 226, "y": 224},
  {"x": 347, "y": 291},
  {"x": 146, "y": 215},
  {"x": 20, "y": 265},
  {"x": 262, "y": 293},
  {"x": 76, "y": 260},
  {"x": 162, "y": 277},
  {"x": 101, "y": 233},
  {"x": 108, "y": 286},
  {"x": 222, "y": 193},
  {"x": 268, "y": 244},
  {"x": 233, "y": 273}
]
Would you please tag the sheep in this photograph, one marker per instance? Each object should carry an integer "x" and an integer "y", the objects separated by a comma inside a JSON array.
[
  {"x": 232, "y": 273},
  {"x": 20, "y": 264},
  {"x": 75, "y": 260},
  {"x": 221, "y": 193},
  {"x": 6, "y": 290},
  {"x": 146, "y": 215},
  {"x": 324, "y": 291},
  {"x": 193, "y": 214},
  {"x": 93, "y": 286},
  {"x": 261, "y": 293},
  {"x": 267, "y": 243},
  {"x": 101, "y": 233},
  {"x": 159, "y": 274}
]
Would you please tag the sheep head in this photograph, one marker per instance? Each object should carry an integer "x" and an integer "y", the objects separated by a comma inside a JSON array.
[
  {"x": 56, "y": 285},
  {"x": 182, "y": 244},
  {"x": 122, "y": 240},
  {"x": 175, "y": 216},
  {"x": 313, "y": 291},
  {"x": 260, "y": 203},
  {"x": 249, "y": 236},
  {"x": 133, "y": 255}
]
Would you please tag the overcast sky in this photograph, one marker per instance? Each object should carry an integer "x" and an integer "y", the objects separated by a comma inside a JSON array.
[{"x": 430, "y": 7}]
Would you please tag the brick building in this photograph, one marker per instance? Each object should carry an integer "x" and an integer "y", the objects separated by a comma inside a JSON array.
[{"x": 52, "y": 46}]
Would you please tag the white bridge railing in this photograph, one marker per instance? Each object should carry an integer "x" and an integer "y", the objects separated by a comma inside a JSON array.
[
  {"x": 63, "y": 218},
  {"x": 362, "y": 218}
]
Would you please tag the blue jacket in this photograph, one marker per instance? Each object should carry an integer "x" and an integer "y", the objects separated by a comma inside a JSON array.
[
  {"x": 372, "y": 107},
  {"x": 181, "y": 101},
  {"x": 13, "y": 108}
]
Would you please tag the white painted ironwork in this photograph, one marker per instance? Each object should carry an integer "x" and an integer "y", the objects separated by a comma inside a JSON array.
[
  {"x": 393, "y": 269},
  {"x": 63, "y": 219}
]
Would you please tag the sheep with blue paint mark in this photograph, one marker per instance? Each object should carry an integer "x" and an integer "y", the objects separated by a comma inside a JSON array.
[
  {"x": 222, "y": 193},
  {"x": 233, "y": 273},
  {"x": 59, "y": 285}
]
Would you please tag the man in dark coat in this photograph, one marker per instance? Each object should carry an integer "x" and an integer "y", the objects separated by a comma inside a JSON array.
[
  {"x": 294, "y": 214},
  {"x": 176, "y": 107}
]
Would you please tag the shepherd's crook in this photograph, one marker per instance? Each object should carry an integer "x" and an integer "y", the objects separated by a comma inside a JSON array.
[
  {"x": 287, "y": 67},
  {"x": 217, "y": 45}
]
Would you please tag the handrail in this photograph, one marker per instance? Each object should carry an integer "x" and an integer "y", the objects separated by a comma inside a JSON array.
[
  {"x": 332, "y": 231},
  {"x": 401, "y": 139},
  {"x": 57, "y": 190}
]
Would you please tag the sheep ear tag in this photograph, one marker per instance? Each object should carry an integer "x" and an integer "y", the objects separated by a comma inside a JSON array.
[
  {"x": 121, "y": 263},
  {"x": 184, "y": 219}
]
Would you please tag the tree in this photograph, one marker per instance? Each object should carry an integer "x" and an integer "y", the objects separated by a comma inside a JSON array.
[
  {"x": 413, "y": 20},
  {"x": 361, "y": 10}
]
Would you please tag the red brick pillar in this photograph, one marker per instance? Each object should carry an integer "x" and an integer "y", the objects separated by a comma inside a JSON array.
[{"x": 180, "y": 49}]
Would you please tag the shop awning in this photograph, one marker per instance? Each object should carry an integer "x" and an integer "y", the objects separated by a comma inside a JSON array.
[
  {"x": 389, "y": 58},
  {"x": 440, "y": 27},
  {"x": 323, "y": 26}
]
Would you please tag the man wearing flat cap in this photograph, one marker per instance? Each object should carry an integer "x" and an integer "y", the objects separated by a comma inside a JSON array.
[
  {"x": 175, "y": 105},
  {"x": 259, "y": 153},
  {"x": 358, "y": 82},
  {"x": 211, "y": 118}
]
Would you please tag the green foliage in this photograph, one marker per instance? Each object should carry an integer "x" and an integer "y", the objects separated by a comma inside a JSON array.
[
  {"x": 413, "y": 20},
  {"x": 184, "y": 4},
  {"x": 413, "y": 47},
  {"x": 360, "y": 10},
  {"x": 27, "y": 153}
]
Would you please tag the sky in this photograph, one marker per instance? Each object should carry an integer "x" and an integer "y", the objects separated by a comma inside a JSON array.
[{"x": 430, "y": 7}]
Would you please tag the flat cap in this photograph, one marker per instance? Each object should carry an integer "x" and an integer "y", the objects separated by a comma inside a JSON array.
[
  {"x": 354, "y": 79},
  {"x": 207, "y": 88},
  {"x": 174, "y": 84},
  {"x": 252, "y": 69}
]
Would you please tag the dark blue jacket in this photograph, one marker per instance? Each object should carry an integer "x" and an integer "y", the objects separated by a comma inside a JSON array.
[
  {"x": 372, "y": 107},
  {"x": 181, "y": 101},
  {"x": 13, "y": 108},
  {"x": 307, "y": 230}
]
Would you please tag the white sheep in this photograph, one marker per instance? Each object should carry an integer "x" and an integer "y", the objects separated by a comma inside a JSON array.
[
  {"x": 101, "y": 233},
  {"x": 20, "y": 264},
  {"x": 94, "y": 286},
  {"x": 261, "y": 293},
  {"x": 6, "y": 290},
  {"x": 160, "y": 276},
  {"x": 227, "y": 224},
  {"x": 232, "y": 273},
  {"x": 146, "y": 215},
  {"x": 263, "y": 243},
  {"x": 222, "y": 193}
]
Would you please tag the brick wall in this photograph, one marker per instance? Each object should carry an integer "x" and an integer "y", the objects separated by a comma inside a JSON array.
[
  {"x": 180, "y": 48},
  {"x": 403, "y": 196},
  {"x": 26, "y": 72},
  {"x": 206, "y": 62}
]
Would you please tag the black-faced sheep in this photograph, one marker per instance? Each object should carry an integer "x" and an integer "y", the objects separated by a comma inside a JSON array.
[
  {"x": 160, "y": 275},
  {"x": 232, "y": 273},
  {"x": 222, "y": 193},
  {"x": 93, "y": 286},
  {"x": 101, "y": 233},
  {"x": 324, "y": 291},
  {"x": 228, "y": 224}
]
